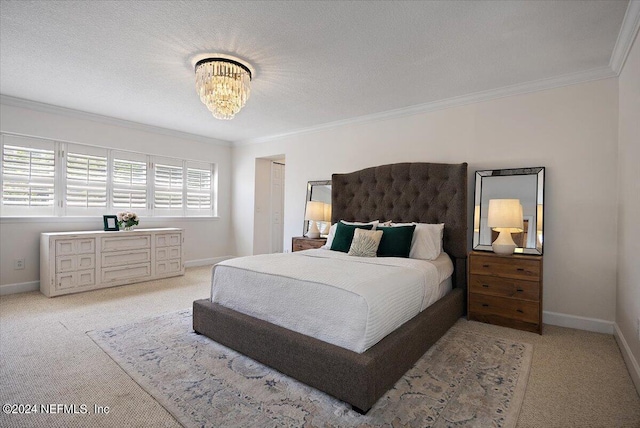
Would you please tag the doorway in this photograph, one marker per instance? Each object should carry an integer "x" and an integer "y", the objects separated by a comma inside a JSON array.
[{"x": 268, "y": 230}]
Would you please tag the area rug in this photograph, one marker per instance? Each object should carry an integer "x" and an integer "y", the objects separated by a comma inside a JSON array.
[{"x": 465, "y": 379}]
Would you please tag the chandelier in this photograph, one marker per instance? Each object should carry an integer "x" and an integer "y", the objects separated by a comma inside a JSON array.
[{"x": 223, "y": 85}]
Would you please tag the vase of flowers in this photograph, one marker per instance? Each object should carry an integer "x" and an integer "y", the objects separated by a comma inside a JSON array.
[{"x": 126, "y": 220}]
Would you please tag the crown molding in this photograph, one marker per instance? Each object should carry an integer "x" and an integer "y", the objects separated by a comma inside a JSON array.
[
  {"x": 626, "y": 36},
  {"x": 77, "y": 114},
  {"x": 506, "y": 91}
]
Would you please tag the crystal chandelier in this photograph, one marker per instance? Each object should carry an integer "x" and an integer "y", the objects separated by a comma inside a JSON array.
[{"x": 223, "y": 86}]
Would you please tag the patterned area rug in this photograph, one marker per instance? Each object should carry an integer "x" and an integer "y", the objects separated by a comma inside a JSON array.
[{"x": 465, "y": 379}]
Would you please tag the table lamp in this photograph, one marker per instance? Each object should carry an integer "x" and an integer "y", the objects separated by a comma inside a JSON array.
[
  {"x": 314, "y": 214},
  {"x": 505, "y": 216}
]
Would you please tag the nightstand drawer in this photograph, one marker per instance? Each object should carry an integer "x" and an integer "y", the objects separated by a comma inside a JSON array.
[
  {"x": 504, "y": 287},
  {"x": 303, "y": 243},
  {"x": 521, "y": 310},
  {"x": 505, "y": 267}
]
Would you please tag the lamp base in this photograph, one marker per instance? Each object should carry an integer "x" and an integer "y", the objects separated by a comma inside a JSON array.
[
  {"x": 504, "y": 244},
  {"x": 313, "y": 232},
  {"x": 503, "y": 250}
]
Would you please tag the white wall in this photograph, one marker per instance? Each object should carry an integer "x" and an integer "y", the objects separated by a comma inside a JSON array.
[
  {"x": 570, "y": 130},
  {"x": 628, "y": 290},
  {"x": 204, "y": 238}
]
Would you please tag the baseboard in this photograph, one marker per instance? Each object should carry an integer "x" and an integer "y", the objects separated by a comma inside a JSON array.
[
  {"x": 580, "y": 323},
  {"x": 21, "y": 287},
  {"x": 629, "y": 359},
  {"x": 206, "y": 262}
]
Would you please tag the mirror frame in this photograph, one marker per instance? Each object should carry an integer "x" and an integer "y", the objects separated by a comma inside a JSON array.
[
  {"x": 539, "y": 195},
  {"x": 310, "y": 185}
]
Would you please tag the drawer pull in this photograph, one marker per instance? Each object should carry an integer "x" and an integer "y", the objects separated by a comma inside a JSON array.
[
  {"x": 520, "y": 269},
  {"x": 520, "y": 311},
  {"x": 519, "y": 290},
  {"x": 485, "y": 285},
  {"x": 485, "y": 266},
  {"x": 484, "y": 305}
]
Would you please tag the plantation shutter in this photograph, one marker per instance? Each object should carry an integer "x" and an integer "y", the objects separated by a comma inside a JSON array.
[
  {"x": 168, "y": 187},
  {"x": 28, "y": 176},
  {"x": 199, "y": 189},
  {"x": 129, "y": 178},
  {"x": 86, "y": 180}
]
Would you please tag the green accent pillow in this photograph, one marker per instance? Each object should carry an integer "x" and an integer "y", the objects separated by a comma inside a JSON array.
[
  {"x": 396, "y": 241},
  {"x": 344, "y": 236}
]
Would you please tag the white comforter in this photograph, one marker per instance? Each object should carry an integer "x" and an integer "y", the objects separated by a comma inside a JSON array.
[{"x": 352, "y": 302}]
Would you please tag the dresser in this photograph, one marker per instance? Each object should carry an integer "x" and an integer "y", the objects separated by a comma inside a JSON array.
[
  {"x": 300, "y": 243},
  {"x": 71, "y": 262},
  {"x": 505, "y": 290}
]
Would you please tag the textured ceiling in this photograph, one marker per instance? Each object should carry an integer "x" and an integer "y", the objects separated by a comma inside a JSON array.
[{"x": 315, "y": 62}]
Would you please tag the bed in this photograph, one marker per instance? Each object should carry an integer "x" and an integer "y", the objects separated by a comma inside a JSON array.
[{"x": 405, "y": 192}]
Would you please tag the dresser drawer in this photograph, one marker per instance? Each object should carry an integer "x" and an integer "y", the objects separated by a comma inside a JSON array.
[
  {"x": 522, "y": 310},
  {"x": 504, "y": 287},
  {"x": 81, "y": 278},
  {"x": 121, "y": 258},
  {"x": 71, "y": 263},
  {"x": 66, "y": 247},
  {"x": 126, "y": 243},
  {"x": 168, "y": 266},
  {"x": 168, "y": 239},
  {"x": 506, "y": 267},
  {"x": 123, "y": 273},
  {"x": 166, "y": 253}
]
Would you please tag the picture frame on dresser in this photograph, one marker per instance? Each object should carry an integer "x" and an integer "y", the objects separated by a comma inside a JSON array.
[{"x": 110, "y": 223}]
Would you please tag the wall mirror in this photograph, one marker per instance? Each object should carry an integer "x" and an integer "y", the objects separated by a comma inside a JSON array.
[
  {"x": 319, "y": 191},
  {"x": 524, "y": 184}
]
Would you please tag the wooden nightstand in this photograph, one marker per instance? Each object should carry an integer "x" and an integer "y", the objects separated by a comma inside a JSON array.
[
  {"x": 505, "y": 290},
  {"x": 300, "y": 243}
]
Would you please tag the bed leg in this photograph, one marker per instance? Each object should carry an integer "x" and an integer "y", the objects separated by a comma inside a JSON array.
[{"x": 359, "y": 410}]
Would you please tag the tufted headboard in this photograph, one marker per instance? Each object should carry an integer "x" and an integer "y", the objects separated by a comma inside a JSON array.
[{"x": 409, "y": 192}]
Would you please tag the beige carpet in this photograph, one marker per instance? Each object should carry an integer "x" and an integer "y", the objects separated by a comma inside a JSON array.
[{"x": 577, "y": 378}]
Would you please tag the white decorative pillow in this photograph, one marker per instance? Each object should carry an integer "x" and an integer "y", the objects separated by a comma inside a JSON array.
[
  {"x": 427, "y": 240},
  {"x": 365, "y": 243},
  {"x": 332, "y": 231}
]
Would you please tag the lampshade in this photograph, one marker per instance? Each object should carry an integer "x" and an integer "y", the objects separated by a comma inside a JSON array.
[
  {"x": 223, "y": 85},
  {"x": 314, "y": 211},
  {"x": 327, "y": 213},
  {"x": 505, "y": 214}
]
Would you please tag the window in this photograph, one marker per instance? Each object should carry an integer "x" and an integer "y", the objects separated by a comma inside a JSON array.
[
  {"x": 129, "y": 178},
  {"x": 85, "y": 180},
  {"x": 48, "y": 178},
  {"x": 28, "y": 176},
  {"x": 168, "y": 186},
  {"x": 199, "y": 186}
]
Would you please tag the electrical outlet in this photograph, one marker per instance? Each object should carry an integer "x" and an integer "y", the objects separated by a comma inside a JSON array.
[{"x": 18, "y": 264}]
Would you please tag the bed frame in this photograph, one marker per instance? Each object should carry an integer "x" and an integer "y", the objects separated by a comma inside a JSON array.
[{"x": 404, "y": 192}]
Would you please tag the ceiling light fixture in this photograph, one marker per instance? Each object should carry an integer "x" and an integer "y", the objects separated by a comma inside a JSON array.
[{"x": 223, "y": 85}]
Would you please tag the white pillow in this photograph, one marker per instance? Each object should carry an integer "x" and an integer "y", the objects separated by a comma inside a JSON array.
[
  {"x": 427, "y": 240},
  {"x": 332, "y": 231}
]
